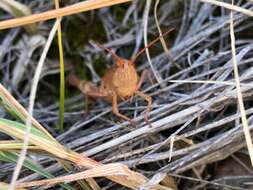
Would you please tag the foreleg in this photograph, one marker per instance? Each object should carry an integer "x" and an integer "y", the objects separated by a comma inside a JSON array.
[{"x": 115, "y": 110}]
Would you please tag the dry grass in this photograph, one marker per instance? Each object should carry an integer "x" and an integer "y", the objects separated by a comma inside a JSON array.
[
  {"x": 195, "y": 118},
  {"x": 239, "y": 91},
  {"x": 73, "y": 9}
]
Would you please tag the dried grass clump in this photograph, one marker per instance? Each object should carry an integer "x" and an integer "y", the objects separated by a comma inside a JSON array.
[{"x": 202, "y": 93}]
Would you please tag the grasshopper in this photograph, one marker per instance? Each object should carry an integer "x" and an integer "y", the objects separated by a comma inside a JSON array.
[{"x": 120, "y": 82}]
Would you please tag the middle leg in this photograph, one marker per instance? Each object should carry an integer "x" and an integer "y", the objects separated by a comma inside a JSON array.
[{"x": 149, "y": 100}]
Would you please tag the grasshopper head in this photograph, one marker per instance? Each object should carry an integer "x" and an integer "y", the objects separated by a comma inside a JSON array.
[{"x": 121, "y": 62}]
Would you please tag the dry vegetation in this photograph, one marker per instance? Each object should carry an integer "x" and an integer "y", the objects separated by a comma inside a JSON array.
[{"x": 202, "y": 89}]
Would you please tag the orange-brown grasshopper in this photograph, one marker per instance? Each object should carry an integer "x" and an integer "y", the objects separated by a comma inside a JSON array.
[{"x": 120, "y": 82}]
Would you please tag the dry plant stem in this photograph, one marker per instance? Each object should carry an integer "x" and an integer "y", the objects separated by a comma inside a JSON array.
[
  {"x": 177, "y": 116},
  {"x": 229, "y": 6},
  {"x": 31, "y": 105},
  {"x": 160, "y": 33},
  {"x": 99, "y": 171},
  {"x": 221, "y": 151},
  {"x": 206, "y": 182},
  {"x": 240, "y": 55},
  {"x": 239, "y": 92},
  {"x": 145, "y": 26},
  {"x": 159, "y": 28},
  {"x": 164, "y": 123},
  {"x": 72, "y": 9},
  {"x": 133, "y": 180},
  {"x": 4, "y": 186},
  {"x": 208, "y": 82},
  {"x": 207, "y": 66}
]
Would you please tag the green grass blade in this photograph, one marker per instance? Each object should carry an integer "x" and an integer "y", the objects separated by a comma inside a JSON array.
[
  {"x": 12, "y": 106},
  {"x": 62, "y": 80},
  {"x": 19, "y": 126},
  {"x": 28, "y": 163},
  {"x": 37, "y": 138},
  {"x": 13, "y": 145}
]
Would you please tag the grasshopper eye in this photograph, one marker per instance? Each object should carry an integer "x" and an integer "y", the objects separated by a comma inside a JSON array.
[
  {"x": 123, "y": 62},
  {"x": 120, "y": 62}
]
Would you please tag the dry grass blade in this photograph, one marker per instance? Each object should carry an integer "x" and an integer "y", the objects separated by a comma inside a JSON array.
[
  {"x": 159, "y": 28},
  {"x": 145, "y": 26},
  {"x": 17, "y": 130},
  {"x": 73, "y": 9},
  {"x": 169, "y": 184},
  {"x": 195, "y": 118},
  {"x": 99, "y": 171},
  {"x": 31, "y": 104},
  {"x": 14, "y": 107},
  {"x": 229, "y": 6},
  {"x": 17, "y": 9},
  {"x": 208, "y": 82},
  {"x": 47, "y": 143},
  {"x": 133, "y": 180},
  {"x": 163, "y": 42},
  {"x": 4, "y": 186},
  {"x": 239, "y": 92}
]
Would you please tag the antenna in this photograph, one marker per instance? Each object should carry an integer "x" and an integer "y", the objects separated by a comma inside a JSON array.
[
  {"x": 150, "y": 44},
  {"x": 109, "y": 50}
]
